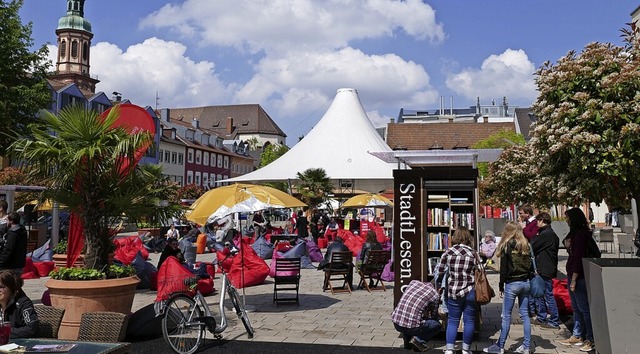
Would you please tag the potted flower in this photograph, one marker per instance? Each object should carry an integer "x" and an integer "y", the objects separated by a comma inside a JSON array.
[{"x": 89, "y": 163}]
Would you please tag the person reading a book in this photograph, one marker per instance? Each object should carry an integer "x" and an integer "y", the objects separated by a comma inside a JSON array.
[{"x": 16, "y": 307}]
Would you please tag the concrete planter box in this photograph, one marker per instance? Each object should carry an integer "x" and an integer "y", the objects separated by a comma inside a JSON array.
[
  {"x": 625, "y": 220},
  {"x": 614, "y": 296}
]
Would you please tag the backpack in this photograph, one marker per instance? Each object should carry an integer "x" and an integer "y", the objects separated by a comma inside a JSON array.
[{"x": 593, "y": 251}]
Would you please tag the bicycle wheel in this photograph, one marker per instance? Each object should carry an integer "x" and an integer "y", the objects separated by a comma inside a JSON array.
[
  {"x": 240, "y": 311},
  {"x": 178, "y": 330}
]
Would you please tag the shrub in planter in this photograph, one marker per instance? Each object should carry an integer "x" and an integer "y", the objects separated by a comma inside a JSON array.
[{"x": 113, "y": 272}]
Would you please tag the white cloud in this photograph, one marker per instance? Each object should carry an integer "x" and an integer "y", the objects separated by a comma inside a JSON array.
[
  {"x": 156, "y": 65},
  {"x": 508, "y": 74},
  {"x": 299, "y": 82},
  {"x": 284, "y": 25},
  {"x": 377, "y": 119}
]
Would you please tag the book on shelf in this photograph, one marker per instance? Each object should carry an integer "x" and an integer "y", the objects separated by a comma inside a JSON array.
[
  {"x": 443, "y": 198},
  {"x": 461, "y": 200},
  {"x": 438, "y": 241}
]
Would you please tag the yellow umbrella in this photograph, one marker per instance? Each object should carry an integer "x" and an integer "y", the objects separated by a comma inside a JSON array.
[
  {"x": 367, "y": 200},
  {"x": 238, "y": 198},
  {"x": 46, "y": 205}
]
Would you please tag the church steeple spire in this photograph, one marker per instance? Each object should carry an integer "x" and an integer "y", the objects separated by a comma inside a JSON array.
[{"x": 74, "y": 46}]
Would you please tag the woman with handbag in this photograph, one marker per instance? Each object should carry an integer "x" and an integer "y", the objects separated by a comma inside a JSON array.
[
  {"x": 459, "y": 262},
  {"x": 515, "y": 270}
]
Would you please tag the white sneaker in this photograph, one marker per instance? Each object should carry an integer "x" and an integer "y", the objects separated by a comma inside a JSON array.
[
  {"x": 521, "y": 350},
  {"x": 494, "y": 348}
]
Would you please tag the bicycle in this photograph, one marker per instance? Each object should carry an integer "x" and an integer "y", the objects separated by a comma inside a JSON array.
[{"x": 186, "y": 317}]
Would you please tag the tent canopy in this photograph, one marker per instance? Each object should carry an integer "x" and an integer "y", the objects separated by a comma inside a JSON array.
[{"x": 340, "y": 144}]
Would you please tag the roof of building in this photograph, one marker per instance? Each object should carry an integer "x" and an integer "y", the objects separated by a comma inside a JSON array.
[
  {"x": 524, "y": 117},
  {"x": 244, "y": 119},
  {"x": 420, "y": 136}
]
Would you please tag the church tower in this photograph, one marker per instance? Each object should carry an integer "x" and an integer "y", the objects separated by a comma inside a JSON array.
[{"x": 74, "y": 47}]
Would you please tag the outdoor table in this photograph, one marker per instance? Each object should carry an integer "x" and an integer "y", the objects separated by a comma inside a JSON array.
[{"x": 80, "y": 348}]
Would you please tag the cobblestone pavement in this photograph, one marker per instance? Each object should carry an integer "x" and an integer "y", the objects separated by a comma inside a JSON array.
[{"x": 357, "y": 319}]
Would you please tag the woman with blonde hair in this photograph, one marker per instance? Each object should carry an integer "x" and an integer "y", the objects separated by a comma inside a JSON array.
[
  {"x": 515, "y": 271},
  {"x": 459, "y": 261}
]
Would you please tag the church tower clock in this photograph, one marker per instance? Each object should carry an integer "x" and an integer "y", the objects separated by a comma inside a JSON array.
[{"x": 74, "y": 47}]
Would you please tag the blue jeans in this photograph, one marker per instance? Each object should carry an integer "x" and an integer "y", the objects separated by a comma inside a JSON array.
[
  {"x": 520, "y": 290},
  {"x": 580, "y": 305},
  {"x": 547, "y": 304},
  {"x": 457, "y": 308},
  {"x": 425, "y": 332}
]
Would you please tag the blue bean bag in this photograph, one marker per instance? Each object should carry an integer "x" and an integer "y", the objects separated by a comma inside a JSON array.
[
  {"x": 263, "y": 248},
  {"x": 42, "y": 253}
]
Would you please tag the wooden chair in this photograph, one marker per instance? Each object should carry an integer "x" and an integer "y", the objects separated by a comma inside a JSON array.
[
  {"x": 372, "y": 268},
  {"x": 339, "y": 269},
  {"x": 103, "y": 326},
  {"x": 287, "y": 278},
  {"x": 49, "y": 319}
]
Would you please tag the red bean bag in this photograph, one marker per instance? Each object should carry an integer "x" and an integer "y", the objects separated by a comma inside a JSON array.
[
  {"x": 44, "y": 268},
  {"x": 171, "y": 276},
  {"x": 127, "y": 248},
  {"x": 353, "y": 242},
  {"x": 253, "y": 271},
  {"x": 331, "y": 234},
  {"x": 205, "y": 286},
  {"x": 561, "y": 294},
  {"x": 379, "y": 230},
  {"x": 322, "y": 242},
  {"x": 29, "y": 271}
]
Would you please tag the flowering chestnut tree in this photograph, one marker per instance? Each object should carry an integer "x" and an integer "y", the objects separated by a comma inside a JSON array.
[{"x": 585, "y": 145}]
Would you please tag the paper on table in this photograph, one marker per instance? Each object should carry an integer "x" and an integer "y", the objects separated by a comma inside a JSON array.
[
  {"x": 50, "y": 348},
  {"x": 9, "y": 348}
]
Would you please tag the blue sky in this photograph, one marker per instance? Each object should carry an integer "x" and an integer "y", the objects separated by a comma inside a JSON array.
[{"x": 290, "y": 56}]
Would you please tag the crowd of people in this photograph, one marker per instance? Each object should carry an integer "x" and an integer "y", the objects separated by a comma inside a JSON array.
[{"x": 525, "y": 248}]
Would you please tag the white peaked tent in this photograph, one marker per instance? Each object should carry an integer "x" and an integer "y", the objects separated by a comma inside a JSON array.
[{"x": 340, "y": 144}]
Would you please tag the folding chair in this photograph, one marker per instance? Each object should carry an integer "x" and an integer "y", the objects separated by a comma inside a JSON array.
[
  {"x": 286, "y": 278},
  {"x": 339, "y": 269},
  {"x": 372, "y": 268},
  {"x": 606, "y": 236},
  {"x": 49, "y": 320},
  {"x": 103, "y": 326}
]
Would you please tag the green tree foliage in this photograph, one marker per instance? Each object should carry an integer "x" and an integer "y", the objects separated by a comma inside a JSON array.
[
  {"x": 22, "y": 75},
  {"x": 83, "y": 162},
  {"x": 314, "y": 186},
  {"x": 503, "y": 139},
  {"x": 271, "y": 153},
  {"x": 586, "y": 141}
]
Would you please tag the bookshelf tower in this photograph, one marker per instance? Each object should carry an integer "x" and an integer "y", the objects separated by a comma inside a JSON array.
[{"x": 430, "y": 202}]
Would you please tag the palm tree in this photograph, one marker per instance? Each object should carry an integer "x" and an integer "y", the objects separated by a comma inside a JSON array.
[
  {"x": 314, "y": 186},
  {"x": 89, "y": 167}
]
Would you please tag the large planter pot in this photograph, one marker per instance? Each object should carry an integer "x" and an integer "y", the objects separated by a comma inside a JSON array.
[
  {"x": 614, "y": 296},
  {"x": 80, "y": 296},
  {"x": 60, "y": 261}
]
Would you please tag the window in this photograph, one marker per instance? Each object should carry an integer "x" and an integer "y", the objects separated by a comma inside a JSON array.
[
  {"x": 205, "y": 158},
  {"x": 85, "y": 51},
  {"x": 189, "y": 177},
  {"x": 219, "y": 178},
  {"x": 74, "y": 49},
  {"x": 63, "y": 48},
  {"x": 190, "y": 156},
  {"x": 167, "y": 155},
  {"x": 174, "y": 155},
  {"x": 198, "y": 176},
  {"x": 220, "y": 161},
  {"x": 198, "y": 157},
  {"x": 205, "y": 179},
  {"x": 213, "y": 160},
  {"x": 180, "y": 158},
  {"x": 161, "y": 155},
  {"x": 212, "y": 179},
  {"x": 226, "y": 162},
  {"x": 179, "y": 180}
]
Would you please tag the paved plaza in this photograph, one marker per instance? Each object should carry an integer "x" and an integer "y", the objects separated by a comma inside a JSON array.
[{"x": 359, "y": 319}]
